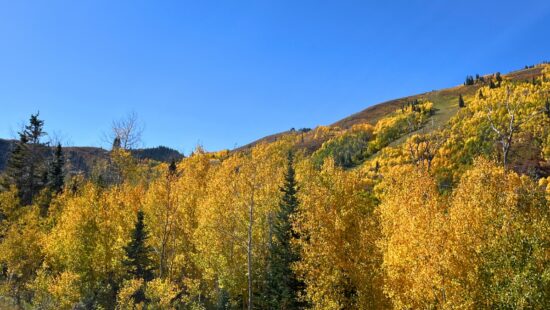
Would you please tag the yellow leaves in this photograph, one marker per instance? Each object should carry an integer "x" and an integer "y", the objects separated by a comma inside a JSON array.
[
  {"x": 337, "y": 229},
  {"x": 160, "y": 294},
  {"x": 368, "y": 128},
  {"x": 9, "y": 203},
  {"x": 171, "y": 206},
  {"x": 400, "y": 122},
  {"x": 125, "y": 300},
  {"x": 545, "y": 183},
  {"x": 413, "y": 236},
  {"x": 92, "y": 229},
  {"x": 56, "y": 292},
  {"x": 325, "y": 132},
  {"x": 242, "y": 184},
  {"x": 488, "y": 213},
  {"x": 20, "y": 247}
]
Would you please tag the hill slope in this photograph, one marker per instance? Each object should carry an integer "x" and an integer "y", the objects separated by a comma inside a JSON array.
[
  {"x": 82, "y": 159},
  {"x": 445, "y": 106}
]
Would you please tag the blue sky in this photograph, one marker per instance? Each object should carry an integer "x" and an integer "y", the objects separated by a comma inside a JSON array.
[{"x": 223, "y": 73}]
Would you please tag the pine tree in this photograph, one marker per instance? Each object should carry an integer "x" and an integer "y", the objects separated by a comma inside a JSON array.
[
  {"x": 172, "y": 168},
  {"x": 282, "y": 287},
  {"x": 116, "y": 143},
  {"x": 138, "y": 253},
  {"x": 138, "y": 256},
  {"x": 26, "y": 166},
  {"x": 547, "y": 107},
  {"x": 16, "y": 165},
  {"x": 55, "y": 174},
  {"x": 34, "y": 130},
  {"x": 480, "y": 95},
  {"x": 498, "y": 78},
  {"x": 461, "y": 103},
  {"x": 469, "y": 80},
  {"x": 35, "y": 161}
]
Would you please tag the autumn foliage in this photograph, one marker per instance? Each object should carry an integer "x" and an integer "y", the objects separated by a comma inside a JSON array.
[{"x": 396, "y": 214}]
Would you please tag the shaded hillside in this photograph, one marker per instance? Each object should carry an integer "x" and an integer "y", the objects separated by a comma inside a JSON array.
[
  {"x": 5, "y": 147},
  {"x": 159, "y": 153},
  {"x": 82, "y": 159}
]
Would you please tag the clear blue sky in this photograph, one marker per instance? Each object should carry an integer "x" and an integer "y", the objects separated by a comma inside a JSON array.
[{"x": 223, "y": 73}]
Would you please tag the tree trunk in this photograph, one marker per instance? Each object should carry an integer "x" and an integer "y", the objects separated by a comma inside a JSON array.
[{"x": 249, "y": 246}]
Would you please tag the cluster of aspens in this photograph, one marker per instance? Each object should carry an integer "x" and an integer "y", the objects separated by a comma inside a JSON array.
[{"x": 450, "y": 218}]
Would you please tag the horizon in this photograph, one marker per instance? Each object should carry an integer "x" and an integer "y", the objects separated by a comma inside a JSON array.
[{"x": 224, "y": 75}]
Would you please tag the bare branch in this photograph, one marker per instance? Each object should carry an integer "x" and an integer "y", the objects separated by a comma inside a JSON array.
[{"x": 126, "y": 133}]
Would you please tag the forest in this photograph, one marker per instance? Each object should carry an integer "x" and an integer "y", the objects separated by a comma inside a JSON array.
[{"x": 407, "y": 212}]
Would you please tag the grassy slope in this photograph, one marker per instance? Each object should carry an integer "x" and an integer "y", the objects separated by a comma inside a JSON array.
[
  {"x": 445, "y": 104},
  {"x": 446, "y": 101}
]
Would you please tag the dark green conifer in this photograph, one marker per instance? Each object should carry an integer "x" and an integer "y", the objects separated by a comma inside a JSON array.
[
  {"x": 172, "y": 168},
  {"x": 283, "y": 287},
  {"x": 35, "y": 129},
  {"x": 480, "y": 95},
  {"x": 15, "y": 168},
  {"x": 56, "y": 178},
  {"x": 26, "y": 166},
  {"x": 461, "y": 103},
  {"x": 138, "y": 256},
  {"x": 116, "y": 143},
  {"x": 498, "y": 77},
  {"x": 138, "y": 253}
]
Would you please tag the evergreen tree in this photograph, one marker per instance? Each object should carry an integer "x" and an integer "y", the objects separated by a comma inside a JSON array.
[
  {"x": 116, "y": 143},
  {"x": 15, "y": 168},
  {"x": 480, "y": 95},
  {"x": 35, "y": 129},
  {"x": 461, "y": 103},
  {"x": 282, "y": 287},
  {"x": 26, "y": 165},
  {"x": 547, "y": 107},
  {"x": 498, "y": 78},
  {"x": 35, "y": 161},
  {"x": 138, "y": 256},
  {"x": 55, "y": 174},
  {"x": 138, "y": 253},
  {"x": 172, "y": 168}
]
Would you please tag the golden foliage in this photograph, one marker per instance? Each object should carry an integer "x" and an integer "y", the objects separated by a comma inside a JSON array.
[{"x": 338, "y": 230}]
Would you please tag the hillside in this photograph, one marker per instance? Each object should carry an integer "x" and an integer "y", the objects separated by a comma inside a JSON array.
[
  {"x": 82, "y": 159},
  {"x": 445, "y": 106}
]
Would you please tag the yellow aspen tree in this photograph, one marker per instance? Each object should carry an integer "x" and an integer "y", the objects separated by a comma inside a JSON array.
[
  {"x": 171, "y": 205},
  {"x": 412, "y": 218},
  {"x": 89, "y": 235},
  {"x": 21, "y": 252},
  {"x": 338, "y": 231},
  {"x": 233, "y": 226},
  {"x": 498, "y": 241},
  {"x": 161, "y": 206}
]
